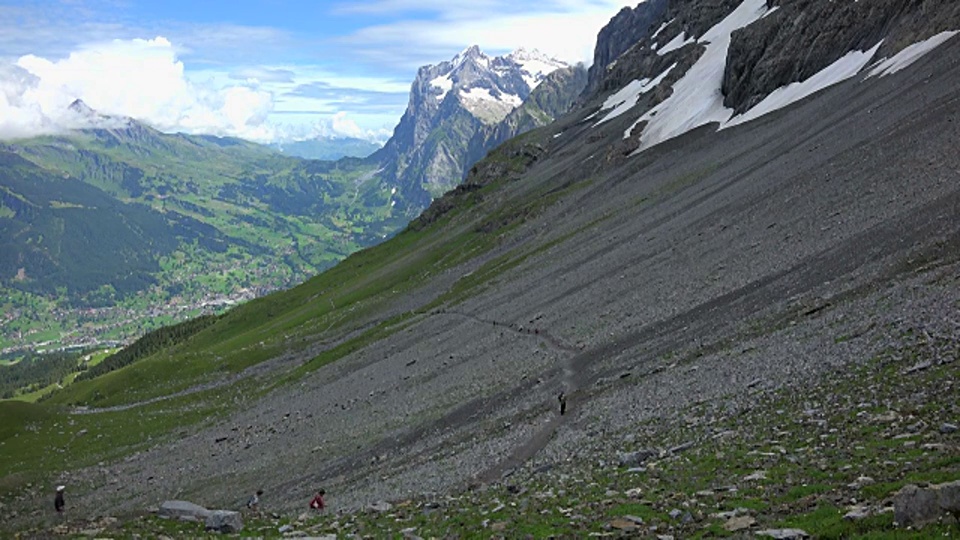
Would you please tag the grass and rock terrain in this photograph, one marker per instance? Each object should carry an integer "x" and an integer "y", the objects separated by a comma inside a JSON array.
[
  {"x": 111, "y": 233},
  {"x": 755, "y": 329}
]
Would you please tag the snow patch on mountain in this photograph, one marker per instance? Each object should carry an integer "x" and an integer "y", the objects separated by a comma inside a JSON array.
[
  {"x": 661, "y": 29},
  {"x": 909, "y": 55},
  {"x": 489, "y": 108},
  {"x": 627, "y": 97},
  {"x": 534, "y": 65},
  {"x": 697, "y": 98},
  {"x": 442, "y": 83},
  {"x": 844, "y": 68},
  {"x": 677, "y": 42},
  {"x": 488, "y": 88}
]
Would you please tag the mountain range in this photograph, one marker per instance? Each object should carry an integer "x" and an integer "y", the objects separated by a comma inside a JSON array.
[
  {"x": 734, "y": 259},
  {"x": 192, "y": 224},
  {"x": 328, "y": 148}
]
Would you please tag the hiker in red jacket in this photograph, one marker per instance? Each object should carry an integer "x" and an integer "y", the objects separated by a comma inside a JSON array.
[{"x": 317, "y": 502}]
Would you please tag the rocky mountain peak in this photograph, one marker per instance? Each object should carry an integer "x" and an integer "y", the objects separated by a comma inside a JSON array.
[
  {"x": 456, "y": 107},
  {"x": 80, "y": 107}
]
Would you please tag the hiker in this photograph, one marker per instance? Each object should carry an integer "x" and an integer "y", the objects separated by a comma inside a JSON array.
[
  {"x": 58, "y": 501},
  {"x": 563, "y": 403},
  {"x": 317, "y": 502},
  {"x": 254, "y": 503}
]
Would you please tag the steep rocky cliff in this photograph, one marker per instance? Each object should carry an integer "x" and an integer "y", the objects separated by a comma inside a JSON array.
[
  {"x": 698, "y": 62},
  {"x": 803, "y": 37},
  {"x": 461, "y": 108}
]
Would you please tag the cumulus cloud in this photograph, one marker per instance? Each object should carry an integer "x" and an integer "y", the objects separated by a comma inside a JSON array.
[
  {"x": 261, "y": 74},
  {"x": 566, "y": 29},
  {"x": 141, "y": 79}
]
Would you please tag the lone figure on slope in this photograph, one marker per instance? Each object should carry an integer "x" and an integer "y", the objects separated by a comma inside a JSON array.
[
  {"x": 562, "y": 398},
  {"x": 317, "y": 502},
  {"x": 58, "y": 500},
  {"x": 254, "y": 503}
]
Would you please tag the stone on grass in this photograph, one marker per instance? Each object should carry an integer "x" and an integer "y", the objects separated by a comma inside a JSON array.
[
  {"x": 948, "y": 428},
  {"x": 784, "y": 534},
  {"x": 183, "y": 510},
  {"x": 632, "y": 459},
  {"x": 948, "y": 497},
  {"x": 861, "y": 482},
  {"x": 225, "y": 521},
  {"x": 913, "y": 505},
  {"x": 739, "y": 523},
  {"x": 623, "y": 524},
  {"x": 381, "y": 506},
  {"x": 857, "y": 513}
]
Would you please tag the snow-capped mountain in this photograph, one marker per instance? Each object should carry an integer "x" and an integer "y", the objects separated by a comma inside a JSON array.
[
  {"x": 489, "y": 88},
  {"x": 455, "y": 113}
]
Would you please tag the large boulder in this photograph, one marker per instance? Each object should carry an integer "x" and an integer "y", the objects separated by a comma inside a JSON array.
[
  {"x": 225, "y": 521},
  {"x": 183, "y": 510},
  {"x": 916, "y": 506}
]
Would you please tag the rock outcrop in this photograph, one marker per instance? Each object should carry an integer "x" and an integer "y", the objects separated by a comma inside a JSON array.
[
  {"x": 224, "y": 521},
  {"x": 805, "y": 36},
  {"x": 184, "y": 510},
  {"x": 625, "y": 30},
  {"x": 916, "y": 506}
]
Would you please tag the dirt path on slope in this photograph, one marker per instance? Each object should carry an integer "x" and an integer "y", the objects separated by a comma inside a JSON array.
[{"x": 573, "y": 376}]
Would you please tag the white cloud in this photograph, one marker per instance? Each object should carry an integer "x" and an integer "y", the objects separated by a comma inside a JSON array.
[
  {"x": 141, "y": 79},
  {"x": 253, "y": 81},
  {"x": 563, "y": 28}
]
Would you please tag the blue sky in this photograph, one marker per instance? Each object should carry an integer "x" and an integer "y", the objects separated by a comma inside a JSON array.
[{"x": 262, "y": 69}]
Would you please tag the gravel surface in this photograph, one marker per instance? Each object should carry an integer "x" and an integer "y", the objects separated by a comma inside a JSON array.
[{"x": 709, "y": 269}]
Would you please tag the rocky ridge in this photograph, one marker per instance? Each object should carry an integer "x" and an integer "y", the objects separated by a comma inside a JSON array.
[{"x": 462, "y": 108}]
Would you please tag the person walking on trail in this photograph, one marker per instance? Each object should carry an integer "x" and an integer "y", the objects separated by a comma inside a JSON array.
[
  {"x": 254, "y": 502},
  {"x": 58, "y": 500},
  {"x": 562, "y": 398},
  {"x": 317, "y": 502}
]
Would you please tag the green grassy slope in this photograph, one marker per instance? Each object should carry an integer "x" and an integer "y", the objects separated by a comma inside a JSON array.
[
  {"x": 195, "y": 378},
  {"x": 148, "y": 227}
]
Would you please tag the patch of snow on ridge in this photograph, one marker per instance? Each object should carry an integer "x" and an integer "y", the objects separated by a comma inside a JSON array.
[
  {"x": 909, "y": 55},
  {"x": 442, "y": 83},
  {"x": 697, "y": 99},
  {"x": 844, "y": 68},
  {"x": 627, "y": 97},
  {"x": 535, "y": 66},
  {"x": 483, "y": 94},
  {"x": 676, "y": 43},
  {"x": 661, "y": 29}
]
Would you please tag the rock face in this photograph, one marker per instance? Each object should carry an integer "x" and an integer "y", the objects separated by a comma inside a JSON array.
[
  {"x": 790, "y": 44},
  {"x": 803, "y": 37},
  {"x": 225, "y": 521},
  {"x": 626, "y": 29},
  {"x": 698, "y": 62},
  {"x": 454, "y": 116},
  {"x": 551, "y": 98},
  {"x": 917, "y": 506},
  {"x": 184, "y": 510}
]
